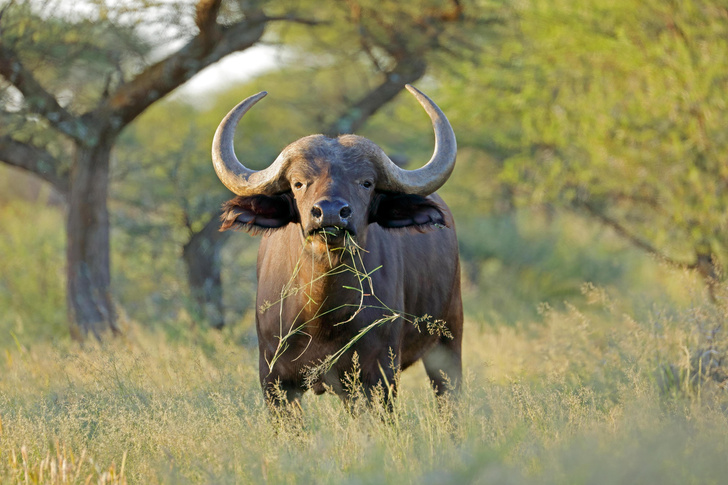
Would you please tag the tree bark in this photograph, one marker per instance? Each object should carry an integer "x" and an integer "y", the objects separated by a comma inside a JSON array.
[
  {"x": 90, "y": 306},
  {"x": 201, "y": 256}
]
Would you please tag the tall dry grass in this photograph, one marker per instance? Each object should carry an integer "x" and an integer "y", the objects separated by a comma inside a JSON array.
[{"x": 578, "y": 396}]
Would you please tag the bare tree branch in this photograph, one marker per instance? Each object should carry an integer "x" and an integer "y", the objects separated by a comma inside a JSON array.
[
  {"x": 33, "y": 159},
  {"x": 206, "y": 16},
  {"x": 632, "y": 238},
  {"x": 294, "y": 19},
  {"x": 409, "y": 60},
  {"x": 2, "y": 12},
  {"x": 213, "y": 42},
  {"x": 405, "y": 72},
  {"x": 38, "y": 99}
]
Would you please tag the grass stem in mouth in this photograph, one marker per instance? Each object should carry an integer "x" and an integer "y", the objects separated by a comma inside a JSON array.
[{"x": 331, "y": 232}]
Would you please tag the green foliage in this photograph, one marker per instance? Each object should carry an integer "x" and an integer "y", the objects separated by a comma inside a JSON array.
[
  {"x": 617, "y": 108},
  {"x": 32, "y": 283},
  {"x": 383, "y": 33},
  {"x": 76, "y": 52},
  {"x": 515, "y": 262}
]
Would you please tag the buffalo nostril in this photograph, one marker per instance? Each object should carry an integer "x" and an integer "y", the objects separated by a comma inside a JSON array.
[
  {"x": 316, "y": 212},
  {"x": 345, "y": 212}
]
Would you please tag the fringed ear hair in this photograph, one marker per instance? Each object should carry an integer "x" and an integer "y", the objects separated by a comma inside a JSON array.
[
  {"x": 394, "y": 211},
  {"x": 258, "y": 213}
]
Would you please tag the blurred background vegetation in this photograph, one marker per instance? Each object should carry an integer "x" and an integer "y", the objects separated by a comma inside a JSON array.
[
  {"x": 591, "y": 147},
  {"x": 590, "y": 197}
]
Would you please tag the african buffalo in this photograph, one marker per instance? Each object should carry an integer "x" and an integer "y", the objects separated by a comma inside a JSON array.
[{"x": 358, "y": 256}]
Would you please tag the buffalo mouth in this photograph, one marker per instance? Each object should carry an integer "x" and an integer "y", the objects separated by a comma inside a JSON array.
[{"x": 331, "y": 234}]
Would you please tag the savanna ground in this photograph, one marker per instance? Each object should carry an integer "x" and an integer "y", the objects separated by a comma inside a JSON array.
[{"x": 620, "y": 383}]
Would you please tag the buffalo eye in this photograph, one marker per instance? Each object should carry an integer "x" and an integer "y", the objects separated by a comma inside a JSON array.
[
  {"x": 298, "y": 185},
  {"x": 367, "y": 184}
]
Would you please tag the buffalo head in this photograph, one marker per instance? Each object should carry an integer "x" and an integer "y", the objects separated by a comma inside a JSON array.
[{"x": 332, "y": 187}]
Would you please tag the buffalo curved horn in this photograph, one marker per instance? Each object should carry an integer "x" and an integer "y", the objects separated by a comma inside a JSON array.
[
  {"x": 432, "y": 176},
  {"x": 234, "y": 175},
  {"x": 423, "y": 181}
]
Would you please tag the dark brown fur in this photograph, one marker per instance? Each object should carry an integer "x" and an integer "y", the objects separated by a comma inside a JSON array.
[{"x": 409, "y": 238}]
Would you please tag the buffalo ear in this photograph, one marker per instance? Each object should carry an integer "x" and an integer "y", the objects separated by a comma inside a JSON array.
[
  {"x": 257, "y": 213},
  {"x": 393, "y": 211}
]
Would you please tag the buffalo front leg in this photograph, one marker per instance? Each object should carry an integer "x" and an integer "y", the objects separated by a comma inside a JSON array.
[
  {"x": 379, "y": 380},
  {"x": 443, "y": 364},
  {"x": 283, "y": 398},
  {"x": 279, "y": 391}
]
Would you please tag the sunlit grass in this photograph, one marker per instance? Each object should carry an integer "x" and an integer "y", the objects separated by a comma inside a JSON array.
[{"x": 574, "y": 397}]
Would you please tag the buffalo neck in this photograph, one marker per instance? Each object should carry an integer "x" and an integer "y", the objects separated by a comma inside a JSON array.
[{"x": 324, "y": 276}]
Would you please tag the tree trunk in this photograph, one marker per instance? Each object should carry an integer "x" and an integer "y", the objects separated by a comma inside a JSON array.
[
  {"x": 90, "y": 308},
  {"x": 201, "y": 255}
]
